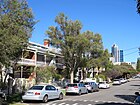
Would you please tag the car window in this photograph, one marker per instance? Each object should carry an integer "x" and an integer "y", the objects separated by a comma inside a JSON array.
[
  {"x": 36, "y": 88},
  {"x": 81, "y": 84},
  {"x": 52, "y": 88},
  {"x": 47, "y": 88},
  {"x": 86, "y": 83},
  {"x": 71, "y": 85}
]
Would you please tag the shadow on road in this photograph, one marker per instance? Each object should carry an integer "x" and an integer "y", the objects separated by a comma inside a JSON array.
[
  {"x": 129, "y": 98},
  {"x": 114, "y": 104},
  {"x": 134, "y": 85}
]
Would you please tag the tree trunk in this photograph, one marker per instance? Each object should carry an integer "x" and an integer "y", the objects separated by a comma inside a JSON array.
[{"x": 71, "y": 76}]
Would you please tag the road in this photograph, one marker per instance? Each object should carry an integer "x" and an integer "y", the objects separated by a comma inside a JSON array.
[{"x": 115, "y": 95}]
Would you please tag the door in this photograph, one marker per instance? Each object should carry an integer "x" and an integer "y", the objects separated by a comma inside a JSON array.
[{"x": 52, "y": 92}]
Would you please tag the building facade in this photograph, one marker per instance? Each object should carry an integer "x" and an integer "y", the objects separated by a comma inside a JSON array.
[
  {"x": 121, "y": 56},
  {"x": 115, "y": 52}
]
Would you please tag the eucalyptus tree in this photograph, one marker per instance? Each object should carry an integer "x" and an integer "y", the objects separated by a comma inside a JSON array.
[
  {"x": 105, "y": 62},
  {"x": 138, "y": 65},
  {"x": 67, "y": 36},
  {"x": 96, "y": 51},
  {"x": 16, "y": 26}
]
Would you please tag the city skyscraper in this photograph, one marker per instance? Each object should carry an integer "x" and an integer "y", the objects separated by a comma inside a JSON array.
[
  {"x": 121, "y": 56},
  {"x": 115, "y": 52}
]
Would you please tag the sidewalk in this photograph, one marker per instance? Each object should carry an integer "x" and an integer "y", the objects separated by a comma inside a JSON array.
[{"x": 19, "y": 103}]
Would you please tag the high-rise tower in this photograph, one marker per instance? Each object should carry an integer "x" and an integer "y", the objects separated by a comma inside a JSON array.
[
  {"x": 121, "y": 56},
  {"x": 115, "y": 52}
]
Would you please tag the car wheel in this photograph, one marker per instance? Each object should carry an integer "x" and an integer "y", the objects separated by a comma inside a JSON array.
[
  {"x": 87, "y": 92},
  {"x": 45, "y": 99},
  {"x": 60, "y": 96},
  {"x": 79, "y": 92},
  {"x": 91, "y": 91}
]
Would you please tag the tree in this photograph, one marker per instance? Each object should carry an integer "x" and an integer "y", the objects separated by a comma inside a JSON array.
[
  {"x": 44, "y": 74},
  {"x": 138, "y": 65},
  {"x": 16, "y": 25},
  {"x": 66, "y": 36},
  {"x": 138, "y": 6},
  {"x": 96, "y": 51}
]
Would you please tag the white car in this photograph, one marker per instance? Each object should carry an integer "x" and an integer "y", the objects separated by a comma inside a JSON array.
[
  {"x": 104, "y": 85},
  {"x": 42, "y": 92},
  {"x": 77, "y": 88},
  {"x": 116, "y": 82},
  {"x": 123, "y": 80}
]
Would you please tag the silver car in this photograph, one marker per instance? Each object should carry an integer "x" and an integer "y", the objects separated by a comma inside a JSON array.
[
  {"x": 42, "y": 92},
  {"x": 77, "y": 88},
  {"x": 92, "y": 86}
]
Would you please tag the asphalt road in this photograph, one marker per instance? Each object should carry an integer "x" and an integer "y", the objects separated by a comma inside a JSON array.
[{"x": 115, "y": 95}]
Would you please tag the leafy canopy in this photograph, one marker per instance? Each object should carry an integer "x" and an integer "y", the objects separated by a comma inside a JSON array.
[{"x": 16, "y": 25}]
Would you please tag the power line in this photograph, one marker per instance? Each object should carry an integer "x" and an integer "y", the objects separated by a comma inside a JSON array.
[
  {"x": 131, "y": 48},
  {"x": 131, "y": 53}
]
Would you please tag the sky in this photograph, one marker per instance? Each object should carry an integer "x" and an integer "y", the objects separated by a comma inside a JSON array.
[{"x": 117, "y": 21}]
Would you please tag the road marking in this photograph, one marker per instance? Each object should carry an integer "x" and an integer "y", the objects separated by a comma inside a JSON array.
[{"x": 62, "y": 103}]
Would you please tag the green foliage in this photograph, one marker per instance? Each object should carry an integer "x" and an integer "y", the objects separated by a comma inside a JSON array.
[
  {"x": 119, "y": 71},
  {"x": 102, "y": 76},
  {"x": 14, "y": 98},
  {"x": 138, "y": 65},
  {"x": 66, "y": 35},
  {"x": 44, "y": 74},
  {"x": 3, "y": 85},
  {"x": 16, "y": 25}
]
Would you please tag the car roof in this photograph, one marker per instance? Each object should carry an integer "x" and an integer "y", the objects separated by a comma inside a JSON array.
[{"x": 44, "y": 84}]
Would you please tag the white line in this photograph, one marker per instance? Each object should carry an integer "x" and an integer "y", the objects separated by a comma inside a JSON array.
[
  {"x": 75, "y": 104},
  {"x": 62, "y": 104}
]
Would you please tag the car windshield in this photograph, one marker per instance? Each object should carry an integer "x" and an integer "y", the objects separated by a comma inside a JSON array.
[
  {"x": 101, "y": 82},
  {"x": 86, "y": 83},
  {"x": 116, "y": 79},
  {"x": 36, "y": 88},
  {"x": 72, "y": 85}
]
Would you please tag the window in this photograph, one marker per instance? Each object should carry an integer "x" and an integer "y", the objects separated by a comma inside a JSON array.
[
  {"x": 48, "y": 88},
  {"x": 36, "y": 88},
  {"x": 52, "y": 88}
]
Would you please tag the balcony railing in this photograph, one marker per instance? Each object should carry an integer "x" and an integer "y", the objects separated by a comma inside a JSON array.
[
  {"x": 24, "y": 61},
  {"x": 32, "y": 62}
]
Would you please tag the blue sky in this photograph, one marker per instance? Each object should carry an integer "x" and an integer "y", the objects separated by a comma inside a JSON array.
[{"x": 116, "y": 20}]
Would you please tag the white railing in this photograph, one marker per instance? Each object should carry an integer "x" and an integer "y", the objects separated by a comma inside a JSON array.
[{"x": 24, "y": 61}]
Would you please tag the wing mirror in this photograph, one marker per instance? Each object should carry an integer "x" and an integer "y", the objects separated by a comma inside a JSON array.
[{"x": 137, "y": 93}]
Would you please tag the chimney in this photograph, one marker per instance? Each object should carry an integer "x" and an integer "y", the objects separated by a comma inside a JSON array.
[{"x": 46, "y": 42}]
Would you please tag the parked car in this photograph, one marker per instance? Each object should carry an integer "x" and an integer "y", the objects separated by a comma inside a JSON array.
[
  {"x": 104, "y": 85},
  {"x": 91, "y": 86},
  {"x": 78, "y": 88},
  {"x": 137, "y": 100},
  {"x": 43, "y": 92},
  {"x": 116, "y": 82},
  {"x": 123, "y": 80}
]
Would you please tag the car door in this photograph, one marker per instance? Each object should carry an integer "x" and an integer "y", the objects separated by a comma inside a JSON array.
[
  {"x": 49, "y": 92},
  {"x": 83, "y": 88},
  {"x": 55, "y": 92}
]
